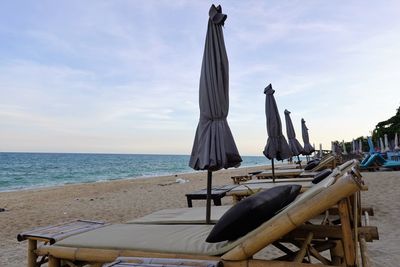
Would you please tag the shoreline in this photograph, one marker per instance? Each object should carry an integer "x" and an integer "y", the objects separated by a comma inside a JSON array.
[{"x": 266, "y": 166}]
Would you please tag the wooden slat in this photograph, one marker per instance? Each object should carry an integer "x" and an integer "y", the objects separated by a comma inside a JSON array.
[
  {"x": 137, "y": 261},
  {"x": 330, "y": 231},
  {"x": 370, "y": 210},
  {"x": 302, "y": 252},
  {"x": 318, "y": 256},
  {"x": 348, "y": 243}
]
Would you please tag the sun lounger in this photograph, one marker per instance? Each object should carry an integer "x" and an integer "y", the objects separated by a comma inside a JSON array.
[
  {"x": 250, "y": 187},
  {"x": 376, "y": 161},
  {"x": 107, "y": 243},
  {"x": 372, "y": 162},
  {"x": 326, "y": 163},
  {"x": 392, "y": 164}
]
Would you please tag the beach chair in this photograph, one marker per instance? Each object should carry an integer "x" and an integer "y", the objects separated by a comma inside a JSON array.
[
  {"x": 106, "y": 243},
  {"x": 392, "y": 164},
  {"x": 376, "y": 161},
  {"x": 328, "y": 162},
  {"x": 250, "y": 187},
  {"x": 372, "y": 162}
]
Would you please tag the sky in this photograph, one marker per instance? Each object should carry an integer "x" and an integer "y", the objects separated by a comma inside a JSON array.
[{"x": 123, "y": 76}]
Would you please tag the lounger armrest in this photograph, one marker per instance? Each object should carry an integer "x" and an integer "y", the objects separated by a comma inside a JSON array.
[{"x": 54, "y": 233}]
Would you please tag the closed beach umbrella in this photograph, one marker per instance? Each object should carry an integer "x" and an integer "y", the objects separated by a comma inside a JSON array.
[
  {"x": 344, "y": 148},
  {"x": 307, "y": 148},
  {"x": 386, "y": 143},
  {"x": 294, "y": 145},
  {"x": 320, "y": 150},
  {"x": 353, "y": 147},
  {"x": 277, "y": 146},
  {"x": 360, "y": 150},
  {"x": 371, "y": 145},
  {"x": 382, "y": 147},
  {"x": 396, "y": 142},
  {"x": 214, "y": 147}
]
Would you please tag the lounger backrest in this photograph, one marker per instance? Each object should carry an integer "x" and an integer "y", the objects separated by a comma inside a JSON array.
[
  {"x": 324, "y": 163},
  {"x": 311, "y": 203}
]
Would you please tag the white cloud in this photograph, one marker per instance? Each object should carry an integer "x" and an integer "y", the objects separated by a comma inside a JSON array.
[{"x": 128, "y": 72}]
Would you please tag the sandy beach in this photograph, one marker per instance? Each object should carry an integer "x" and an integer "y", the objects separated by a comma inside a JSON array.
[{"x": 121, "y": 200}]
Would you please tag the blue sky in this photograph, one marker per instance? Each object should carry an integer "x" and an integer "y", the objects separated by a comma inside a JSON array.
[{"x": 122, "y": 76}]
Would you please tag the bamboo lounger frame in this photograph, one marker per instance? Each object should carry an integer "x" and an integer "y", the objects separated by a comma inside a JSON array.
[{"x": 343, "y": 250}]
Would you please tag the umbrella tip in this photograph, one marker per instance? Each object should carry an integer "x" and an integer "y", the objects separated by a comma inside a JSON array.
[
  {"x": 269, "y": 90},
  {"x": 216, "y": 15},
  {"x": 287, "y": 111},
  {"x": 302, "y": 120}
]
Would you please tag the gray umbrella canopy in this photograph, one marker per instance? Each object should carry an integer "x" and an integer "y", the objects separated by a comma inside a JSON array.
[
  {"x": 307, "y": 149},
  {"x": 277, "y": 147},
  {"x": 294, "y": 145},
  {"x": 214, "y": 147}
]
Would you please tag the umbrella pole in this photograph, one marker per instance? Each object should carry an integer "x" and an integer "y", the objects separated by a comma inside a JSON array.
[
  {"x": 208, "y": 204},
  {"x": 273, "y": 171},
  {"x": 298, "y": 159}
]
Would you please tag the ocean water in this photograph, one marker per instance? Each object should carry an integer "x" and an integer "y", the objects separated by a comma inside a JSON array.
[{"x": 32, "y": 170}]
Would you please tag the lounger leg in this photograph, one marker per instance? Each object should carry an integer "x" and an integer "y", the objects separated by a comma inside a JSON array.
[
  {"x": 32, "y": 257},
  {"x": 337, "y": 253},
  {"x": 189, "y": 202},
  {"x": 303, "y": 250},
  {"x": 348, "y": 244},
  {"x": 364, "y": 256},
  {"x": 217, "y": 201},
  {"x": 54, "y": 262}
]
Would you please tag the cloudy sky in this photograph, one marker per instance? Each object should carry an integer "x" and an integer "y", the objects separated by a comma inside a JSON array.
[{"x": 122, "y": 76}]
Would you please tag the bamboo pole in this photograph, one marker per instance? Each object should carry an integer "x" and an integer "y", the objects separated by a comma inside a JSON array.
[
  {"x": 273, "y": 171},
  {"x": 54, "y": 262},
  {"x": 348, "y": 243},
  {"x": 94, "y": 256},
  {"x": 337, "y": 253},
  {"x": 302, "y": 252},
  {"x": 32, "y": 257},
  {"x": 363, "y": 251},
  {"x": 208, "y": 202}
]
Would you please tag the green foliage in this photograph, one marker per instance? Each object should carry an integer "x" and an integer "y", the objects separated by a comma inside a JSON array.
[{"x": 389, "y": 127}]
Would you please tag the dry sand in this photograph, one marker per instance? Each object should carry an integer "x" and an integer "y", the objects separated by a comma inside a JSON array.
[{"x": 121, "y": 200}]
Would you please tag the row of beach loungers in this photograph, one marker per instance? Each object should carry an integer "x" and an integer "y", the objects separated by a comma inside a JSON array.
[
  {"x": 375, "y": 161},
  {"x": 324, "y": 224},
  {"x": 244, "y": 185}
]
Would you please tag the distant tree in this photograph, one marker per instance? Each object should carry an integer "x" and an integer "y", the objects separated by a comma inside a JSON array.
[{"x": 389, "y": 127}]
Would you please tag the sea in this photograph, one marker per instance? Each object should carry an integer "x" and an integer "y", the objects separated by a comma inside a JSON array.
[{"x": 20, "y": 171}]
